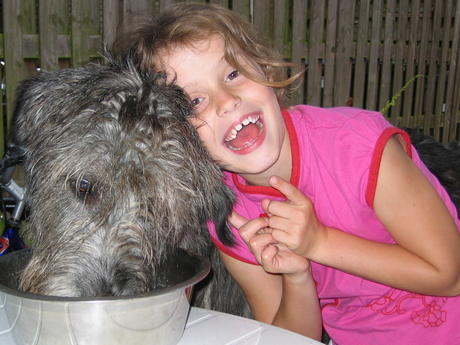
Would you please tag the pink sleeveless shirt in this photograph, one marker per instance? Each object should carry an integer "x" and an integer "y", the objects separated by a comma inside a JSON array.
[{"x": 336, "y": 155}]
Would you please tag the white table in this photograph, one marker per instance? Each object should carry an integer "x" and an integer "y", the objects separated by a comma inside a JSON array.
[{"x": 205, "y": 327}]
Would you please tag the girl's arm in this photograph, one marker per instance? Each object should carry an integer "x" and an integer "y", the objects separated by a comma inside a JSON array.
[
  {"x": 286, "y": 301},
  {"x": 426, "y": 258}
]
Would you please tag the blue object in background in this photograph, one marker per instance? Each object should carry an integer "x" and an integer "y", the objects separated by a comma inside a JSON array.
[{"x": 10, "y": 241}]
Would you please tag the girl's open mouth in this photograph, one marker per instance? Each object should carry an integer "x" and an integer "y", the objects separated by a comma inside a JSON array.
[{"x": 245, "y": 134}]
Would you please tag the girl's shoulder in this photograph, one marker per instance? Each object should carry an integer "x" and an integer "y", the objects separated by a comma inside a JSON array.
[
  {"x": 342, "y": 126},
  {"x": 337, "y": 117}
]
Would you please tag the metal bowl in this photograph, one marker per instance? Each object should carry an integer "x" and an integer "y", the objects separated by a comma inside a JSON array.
[{"x": 156, "y": 317}]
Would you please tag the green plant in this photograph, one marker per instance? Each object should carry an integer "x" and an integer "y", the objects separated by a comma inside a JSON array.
[{"x": 395, "y": 97}]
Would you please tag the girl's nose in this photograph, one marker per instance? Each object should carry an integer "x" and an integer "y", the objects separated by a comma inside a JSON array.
[{"x": 227, "y": 102}]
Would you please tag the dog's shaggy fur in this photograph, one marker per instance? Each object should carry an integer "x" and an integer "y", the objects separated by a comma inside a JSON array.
[{"x": 117, "y": 178}]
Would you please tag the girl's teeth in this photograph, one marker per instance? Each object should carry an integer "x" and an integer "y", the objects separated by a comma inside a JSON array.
[
  {"x": 233, "y": 134},
  {"x": 238, "y": 127}
]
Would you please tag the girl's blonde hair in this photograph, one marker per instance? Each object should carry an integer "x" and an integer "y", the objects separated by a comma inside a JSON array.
[{"x": 184, "y": 24}]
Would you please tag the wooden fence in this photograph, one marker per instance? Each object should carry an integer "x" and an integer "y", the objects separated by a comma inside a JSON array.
[{"x": 356, "y": 52}]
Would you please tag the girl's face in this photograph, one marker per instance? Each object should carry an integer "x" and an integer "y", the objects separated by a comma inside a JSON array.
[{"x": 239, "y": 120}]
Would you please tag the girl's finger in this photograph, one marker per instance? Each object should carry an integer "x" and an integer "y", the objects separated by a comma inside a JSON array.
[
  {"x": 258, "y": 244},
  {"x": 261, "y": 241},
  {"x": 268, "y": 257},
  {"x": 237, "y": 220},
  {"x": 249, "y": 229},
  {"x": 292, "y": 193}
]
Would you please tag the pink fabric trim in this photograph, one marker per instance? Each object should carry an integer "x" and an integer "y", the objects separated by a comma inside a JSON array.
[
  {"x": 377, "y": 157},
  {"x": 225, "y": 250}
]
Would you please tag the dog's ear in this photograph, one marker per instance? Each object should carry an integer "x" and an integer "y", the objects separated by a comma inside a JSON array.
[
  {"x": 37, "y": 99},
  {"x": 47, "y": 98},
  {"x": 222, "y": 206},
  {"x": 23, "y": 116},
  {"x": 218, "y": 198}
]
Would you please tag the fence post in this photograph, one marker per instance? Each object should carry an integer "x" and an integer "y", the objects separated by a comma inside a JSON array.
[
  {"x": 54, "y": 32},
  {"x": 19, "y": 19}
]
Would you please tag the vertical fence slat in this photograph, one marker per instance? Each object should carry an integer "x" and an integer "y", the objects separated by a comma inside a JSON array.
[
  {"x": 85, "y": 23},
  {"x": 299, "y": 28},
  {"x": 111, "y": 17},
  {"x": 453, "y": 96},
  {"x": 315, "y": 63},
  {"x": 54, "y": 21},
  {"x": 411, "y": 64},
  {"x": 19, "y": 18},
  {"x": 398, "y": 77},
  {"x": 440, "y": 91},
  {"x": 138, "y": 7},
  {"x": 114, "y": 12},
  {"x": 344, "y": 53},
  {"x": 243, "y": 7},
  {"x": 374, "y": 57},
  {"x": 329, "y": 54},
  {"x": 280, "y": 29},
  {"x": 420, "y": 87},
  {"x": 262, "y": 15},
  {"x": 433, "y": 68},
  {"x": 456, "y": 103},
  {"x": 166, "y": 3},
  {"x": 360, "y": 72},
  {"x": 223, "y": 3},
  {"x": 385, "y": 80}
]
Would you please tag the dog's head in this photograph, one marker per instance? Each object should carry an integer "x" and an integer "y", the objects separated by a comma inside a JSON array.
[{"x": 115, "y": 173}]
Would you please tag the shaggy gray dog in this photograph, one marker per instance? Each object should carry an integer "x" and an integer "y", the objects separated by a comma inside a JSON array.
[{"x": 117, "y": 178}]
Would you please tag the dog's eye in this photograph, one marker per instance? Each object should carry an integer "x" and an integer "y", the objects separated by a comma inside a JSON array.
[
  {"x": 83, "y": 186},
  {"x": 85, "y": 190}
]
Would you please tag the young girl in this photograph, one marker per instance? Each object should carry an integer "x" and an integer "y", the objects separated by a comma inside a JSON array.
[{"x": 337, "y": 222}]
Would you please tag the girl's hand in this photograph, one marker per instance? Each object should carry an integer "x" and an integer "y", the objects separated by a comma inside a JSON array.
[
  {"x": 294, "y": 222},
  {"x": 278, "y": 258},
  {"x": 272, "y": 256}
]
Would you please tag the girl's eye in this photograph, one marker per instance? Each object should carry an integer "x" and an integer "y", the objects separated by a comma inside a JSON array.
[
  {"x": 197, "y": 101},
  {"x": 233, "y": 74}
]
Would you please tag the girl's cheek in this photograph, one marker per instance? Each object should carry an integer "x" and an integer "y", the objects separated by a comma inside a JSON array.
[
  {"x": 201, "y": 127},
  {"x": 206, "y": 136},
  {"x": 196, "y": 121}
]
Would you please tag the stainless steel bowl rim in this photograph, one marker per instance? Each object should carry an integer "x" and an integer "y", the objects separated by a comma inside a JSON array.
[{"x": 203, "y": 271}]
